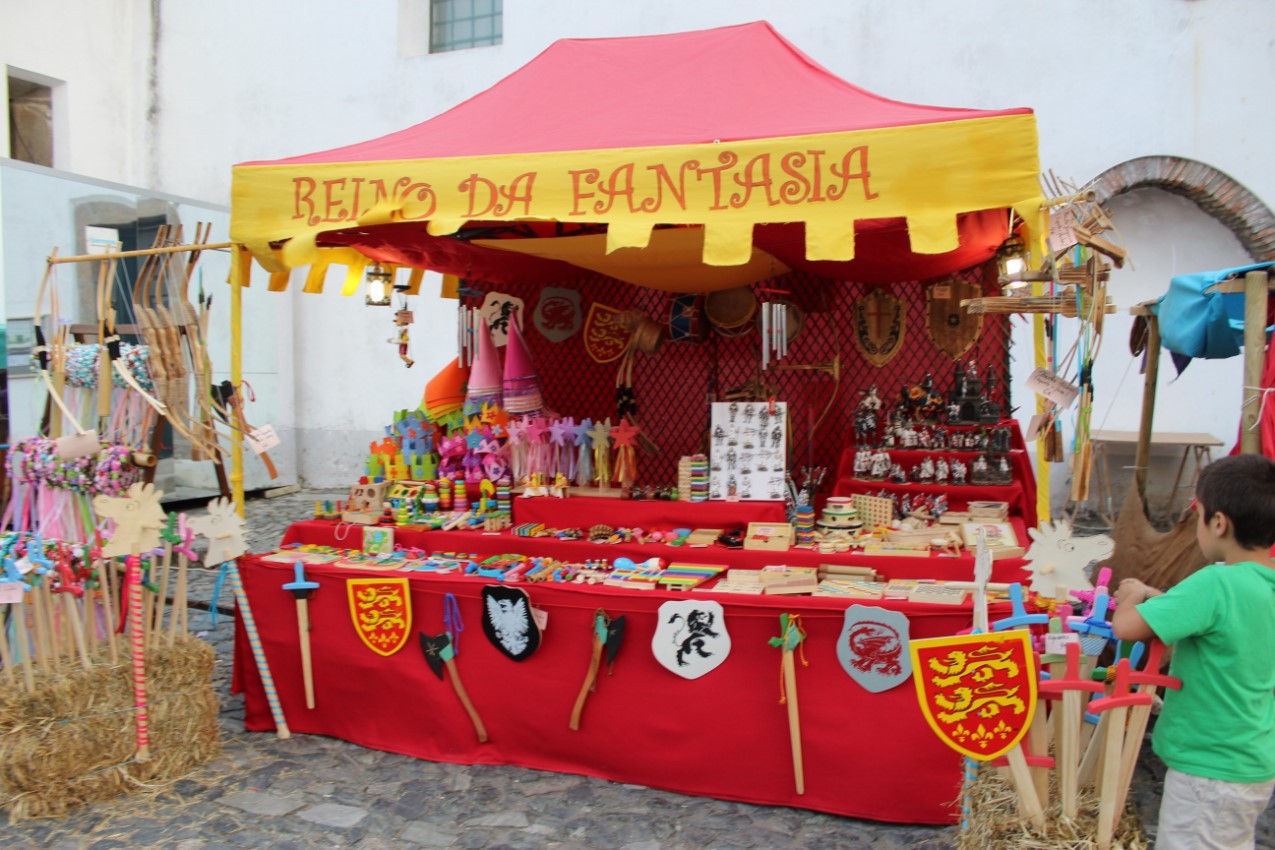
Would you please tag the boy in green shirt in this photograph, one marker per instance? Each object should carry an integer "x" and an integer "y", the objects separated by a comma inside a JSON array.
[{"x": 1216, "y": 734}]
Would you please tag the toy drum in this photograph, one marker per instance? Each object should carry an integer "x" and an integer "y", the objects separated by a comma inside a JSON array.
[
  {"x": 731, "y": 311},
  {"x": 686, "y": 318},
  {"x": 648, "y": 334}
]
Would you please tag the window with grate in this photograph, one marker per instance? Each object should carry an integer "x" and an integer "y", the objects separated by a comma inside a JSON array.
[
  {"x": 30, "y": 122},
  {"x": 461, "y": 24}
]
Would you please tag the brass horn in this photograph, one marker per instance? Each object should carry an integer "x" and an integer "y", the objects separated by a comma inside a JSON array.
[{"x": 832, "y": 367}]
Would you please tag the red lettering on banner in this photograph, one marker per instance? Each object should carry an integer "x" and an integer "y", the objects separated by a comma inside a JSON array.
[
  {"x": 797, "y": 189},
  {"x": 588, "y": 175},
  {"x": 761, "y": 163},
  {"x": 727, "y": 160},
  {"x": 662, "y": 179},
  {"x": 817, "y": 179},
  {"x": 301, "y": 196},
  {"x": 517, "y": 192},
  {"x": 424, "y": 194},
  {"x": 619, "y": 183},
  {"x": 846, "y": 176},
  {"x": 332, "y": 206}
]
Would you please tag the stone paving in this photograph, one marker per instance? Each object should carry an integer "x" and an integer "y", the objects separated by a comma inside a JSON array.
[{"x": 316, "y": 792}]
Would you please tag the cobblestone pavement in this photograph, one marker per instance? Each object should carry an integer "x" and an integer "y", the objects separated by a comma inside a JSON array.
[{"x": 312, "y": 792}]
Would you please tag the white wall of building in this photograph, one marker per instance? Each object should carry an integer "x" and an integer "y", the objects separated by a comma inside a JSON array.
[{"x": 239, "y": 81}]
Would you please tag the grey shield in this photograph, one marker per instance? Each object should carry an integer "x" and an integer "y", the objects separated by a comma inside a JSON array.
[{"x": 873, "y": 647}]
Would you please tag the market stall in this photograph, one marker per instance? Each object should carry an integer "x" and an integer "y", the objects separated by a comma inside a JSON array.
[{"x": 753, "y": 282}]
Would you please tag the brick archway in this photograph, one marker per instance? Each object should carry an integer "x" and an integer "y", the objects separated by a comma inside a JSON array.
[{"x": 1215, "y": 193}]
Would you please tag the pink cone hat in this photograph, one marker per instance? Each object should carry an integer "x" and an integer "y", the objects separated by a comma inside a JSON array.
[
  {"x": 484, "y": 374},
  {"x": 522, "y": 384}
]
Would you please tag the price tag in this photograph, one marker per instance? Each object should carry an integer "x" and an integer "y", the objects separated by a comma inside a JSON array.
[
  {"x": 1034, "y": 426},
  {"x": 541, "y": 616},
  {"x": 10, "y": 592},
  {"x": 1061, "y": 234},
  {"x": 263, "y": 439},
  {"x": 1058, "y": 390},
  {"x": 1056, "y": 644}
]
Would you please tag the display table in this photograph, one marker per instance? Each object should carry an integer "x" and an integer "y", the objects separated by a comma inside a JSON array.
[
  {"x": 724, "y": 735},
  {"x": 587, "y": 511},
  {"x": 485, "y": 544}
]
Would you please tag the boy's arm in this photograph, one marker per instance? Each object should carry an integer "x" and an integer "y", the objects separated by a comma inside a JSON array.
[{"x": 1128, "y": 624}]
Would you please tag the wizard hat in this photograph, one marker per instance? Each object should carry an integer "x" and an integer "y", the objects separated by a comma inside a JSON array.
[
  {"x": 522, "y": 384},
  {"x": 445, "y": 392},
  {"x": 484, "y": 374}
]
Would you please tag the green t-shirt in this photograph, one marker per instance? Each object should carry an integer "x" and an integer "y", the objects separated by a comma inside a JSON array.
[{"x": 1221, "y": 623}]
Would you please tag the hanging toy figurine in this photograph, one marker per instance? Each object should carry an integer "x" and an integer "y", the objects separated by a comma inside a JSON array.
[{"x": 402, "y": 319}]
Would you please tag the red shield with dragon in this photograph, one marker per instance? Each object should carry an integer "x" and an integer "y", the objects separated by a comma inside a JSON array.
[{"x": 977, "y": 692}]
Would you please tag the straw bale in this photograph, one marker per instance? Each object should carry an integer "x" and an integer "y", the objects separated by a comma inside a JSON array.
[
  {"x": 74, "y": 739},
  {"x": 995, "y": 824}
]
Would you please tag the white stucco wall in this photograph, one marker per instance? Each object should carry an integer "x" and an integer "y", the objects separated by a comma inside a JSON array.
[{"x": 239, "y": 81}]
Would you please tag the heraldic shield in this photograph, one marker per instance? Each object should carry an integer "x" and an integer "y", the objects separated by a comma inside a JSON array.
[
  {"x": 873, "y": 647},
  {"x": 952, "y": 328},
  {"x": 880, "y": 320},
  {"x": 977, "y": 692},
  {"x": 604, "y": 338},
  {"x": 690, "y": 637},
  {"x": 381, "y": 611}
]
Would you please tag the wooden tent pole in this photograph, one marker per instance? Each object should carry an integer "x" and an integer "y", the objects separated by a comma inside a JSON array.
[
  {"x": 142, "y": 252},
  {"x": 237, "y": 271},
  {"x": 1254, "y": 354},
  {"x": 1142, "y": 456}
]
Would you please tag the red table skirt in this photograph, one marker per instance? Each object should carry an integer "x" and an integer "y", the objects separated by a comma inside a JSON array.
[
  {"x": 723, "y": 735},
  {"x": 484, "y": 545},
  {"x": 587, "y": 511}
]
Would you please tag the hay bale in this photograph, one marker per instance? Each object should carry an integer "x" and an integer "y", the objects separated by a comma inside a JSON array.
[
  {"x": 74, "y": 739},
  {"x": 994, "y": 822}
]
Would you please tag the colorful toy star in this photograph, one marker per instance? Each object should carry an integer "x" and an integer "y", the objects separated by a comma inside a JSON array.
[
  {"x": 582, "y": 431},
  {"x": 625, "y": 434}
]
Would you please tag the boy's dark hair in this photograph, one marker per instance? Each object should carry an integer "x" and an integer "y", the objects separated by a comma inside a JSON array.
[{"x": 1243, "y": 488}]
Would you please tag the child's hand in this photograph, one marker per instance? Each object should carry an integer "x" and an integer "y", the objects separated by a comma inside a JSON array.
[{"x": 1133, "y": 591}]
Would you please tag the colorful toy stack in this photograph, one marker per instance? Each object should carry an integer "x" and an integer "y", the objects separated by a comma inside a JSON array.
[
  {"x": 698, "y": 487},
  {"x": 805, "y": 525},
  {"x": 504, "y": 497}
]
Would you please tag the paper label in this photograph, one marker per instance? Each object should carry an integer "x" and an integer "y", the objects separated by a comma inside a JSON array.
[
  {"x": 10, "y": 592},
  {"x": 541, "y": 616},
  {"x": 1056, "y": 644},
  {"x": 77, "y": 445},
  {"x": 1061, "y": 235},
  {"x": 1056, "y": 389},
  {"x": 263, "y": 439}
]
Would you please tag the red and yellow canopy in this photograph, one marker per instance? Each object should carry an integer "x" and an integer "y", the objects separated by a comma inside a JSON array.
[{"x": 687, "y": 162}]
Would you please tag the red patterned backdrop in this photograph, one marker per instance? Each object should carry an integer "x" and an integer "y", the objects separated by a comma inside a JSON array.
[{"x": 675, "y": 386}]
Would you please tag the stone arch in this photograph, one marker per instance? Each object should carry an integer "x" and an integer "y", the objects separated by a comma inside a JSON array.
[{"x": 1243, "y": 213}]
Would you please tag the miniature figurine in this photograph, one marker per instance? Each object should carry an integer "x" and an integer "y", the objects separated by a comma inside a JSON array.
[
  {"x": 402, "y": 319},
  {"x": 959, "y": 472},
  {"x": 862, "y": 463},
  {"x": 941, "y": 471},
  {"x": 897, "y": 475},
  {"x": 925, "y": 472},
  {"x": 880, "y": 465}
]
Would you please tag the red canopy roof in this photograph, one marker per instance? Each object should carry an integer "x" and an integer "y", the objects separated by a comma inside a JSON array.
[{"x": 727, "y": 84}]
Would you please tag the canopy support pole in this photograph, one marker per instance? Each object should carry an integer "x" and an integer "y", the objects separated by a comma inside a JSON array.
[
  {"x": 1254, "y": 354},
  {"x": 236, "y": 370},
  {"x": 1150, "y": 381}
]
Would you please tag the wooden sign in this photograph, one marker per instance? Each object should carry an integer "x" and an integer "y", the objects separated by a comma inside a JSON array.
[
  {"x": 951, "y": 327},
  {"x": 880, "y": 320}
]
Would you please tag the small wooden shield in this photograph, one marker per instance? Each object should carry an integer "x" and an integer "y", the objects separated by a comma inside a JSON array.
[
  {"x": 873, "y": 647},
  {"x": 690, "y": 637},
  {"x": 604, "y": 338},
  {"x": 381, "y": 611},
  {"x": 880, "y": 320},
  {"x": 952, "y": 328},
  {"x": 557, "y": 314},
  {"x": 508, "y": 621},
  {"x": 978, "y": 691}
]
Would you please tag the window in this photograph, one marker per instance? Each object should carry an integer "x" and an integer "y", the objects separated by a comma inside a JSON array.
[
  {"x": 30, "y": 122},
  {"x": 459, "y": 24}
]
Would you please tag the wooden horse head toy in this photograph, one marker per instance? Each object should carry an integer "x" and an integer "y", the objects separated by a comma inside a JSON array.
[
  {"x": 138, "y": 519},
  {"x": 224, "y": 529}
]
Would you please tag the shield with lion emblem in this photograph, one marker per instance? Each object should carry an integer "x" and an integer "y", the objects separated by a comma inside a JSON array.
[
  {"x": 952, "y": 328},
  {"x": 381, "y": 612},
  {"x": 977, "y": 692},
  {"x": 880, "y": 320}
]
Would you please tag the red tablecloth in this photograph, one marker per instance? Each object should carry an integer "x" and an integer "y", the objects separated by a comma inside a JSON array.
[
  {"x": 484, "y": 545},
  {"x": 723, "y": 735},
  {"x": 587, "y": 511}
]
